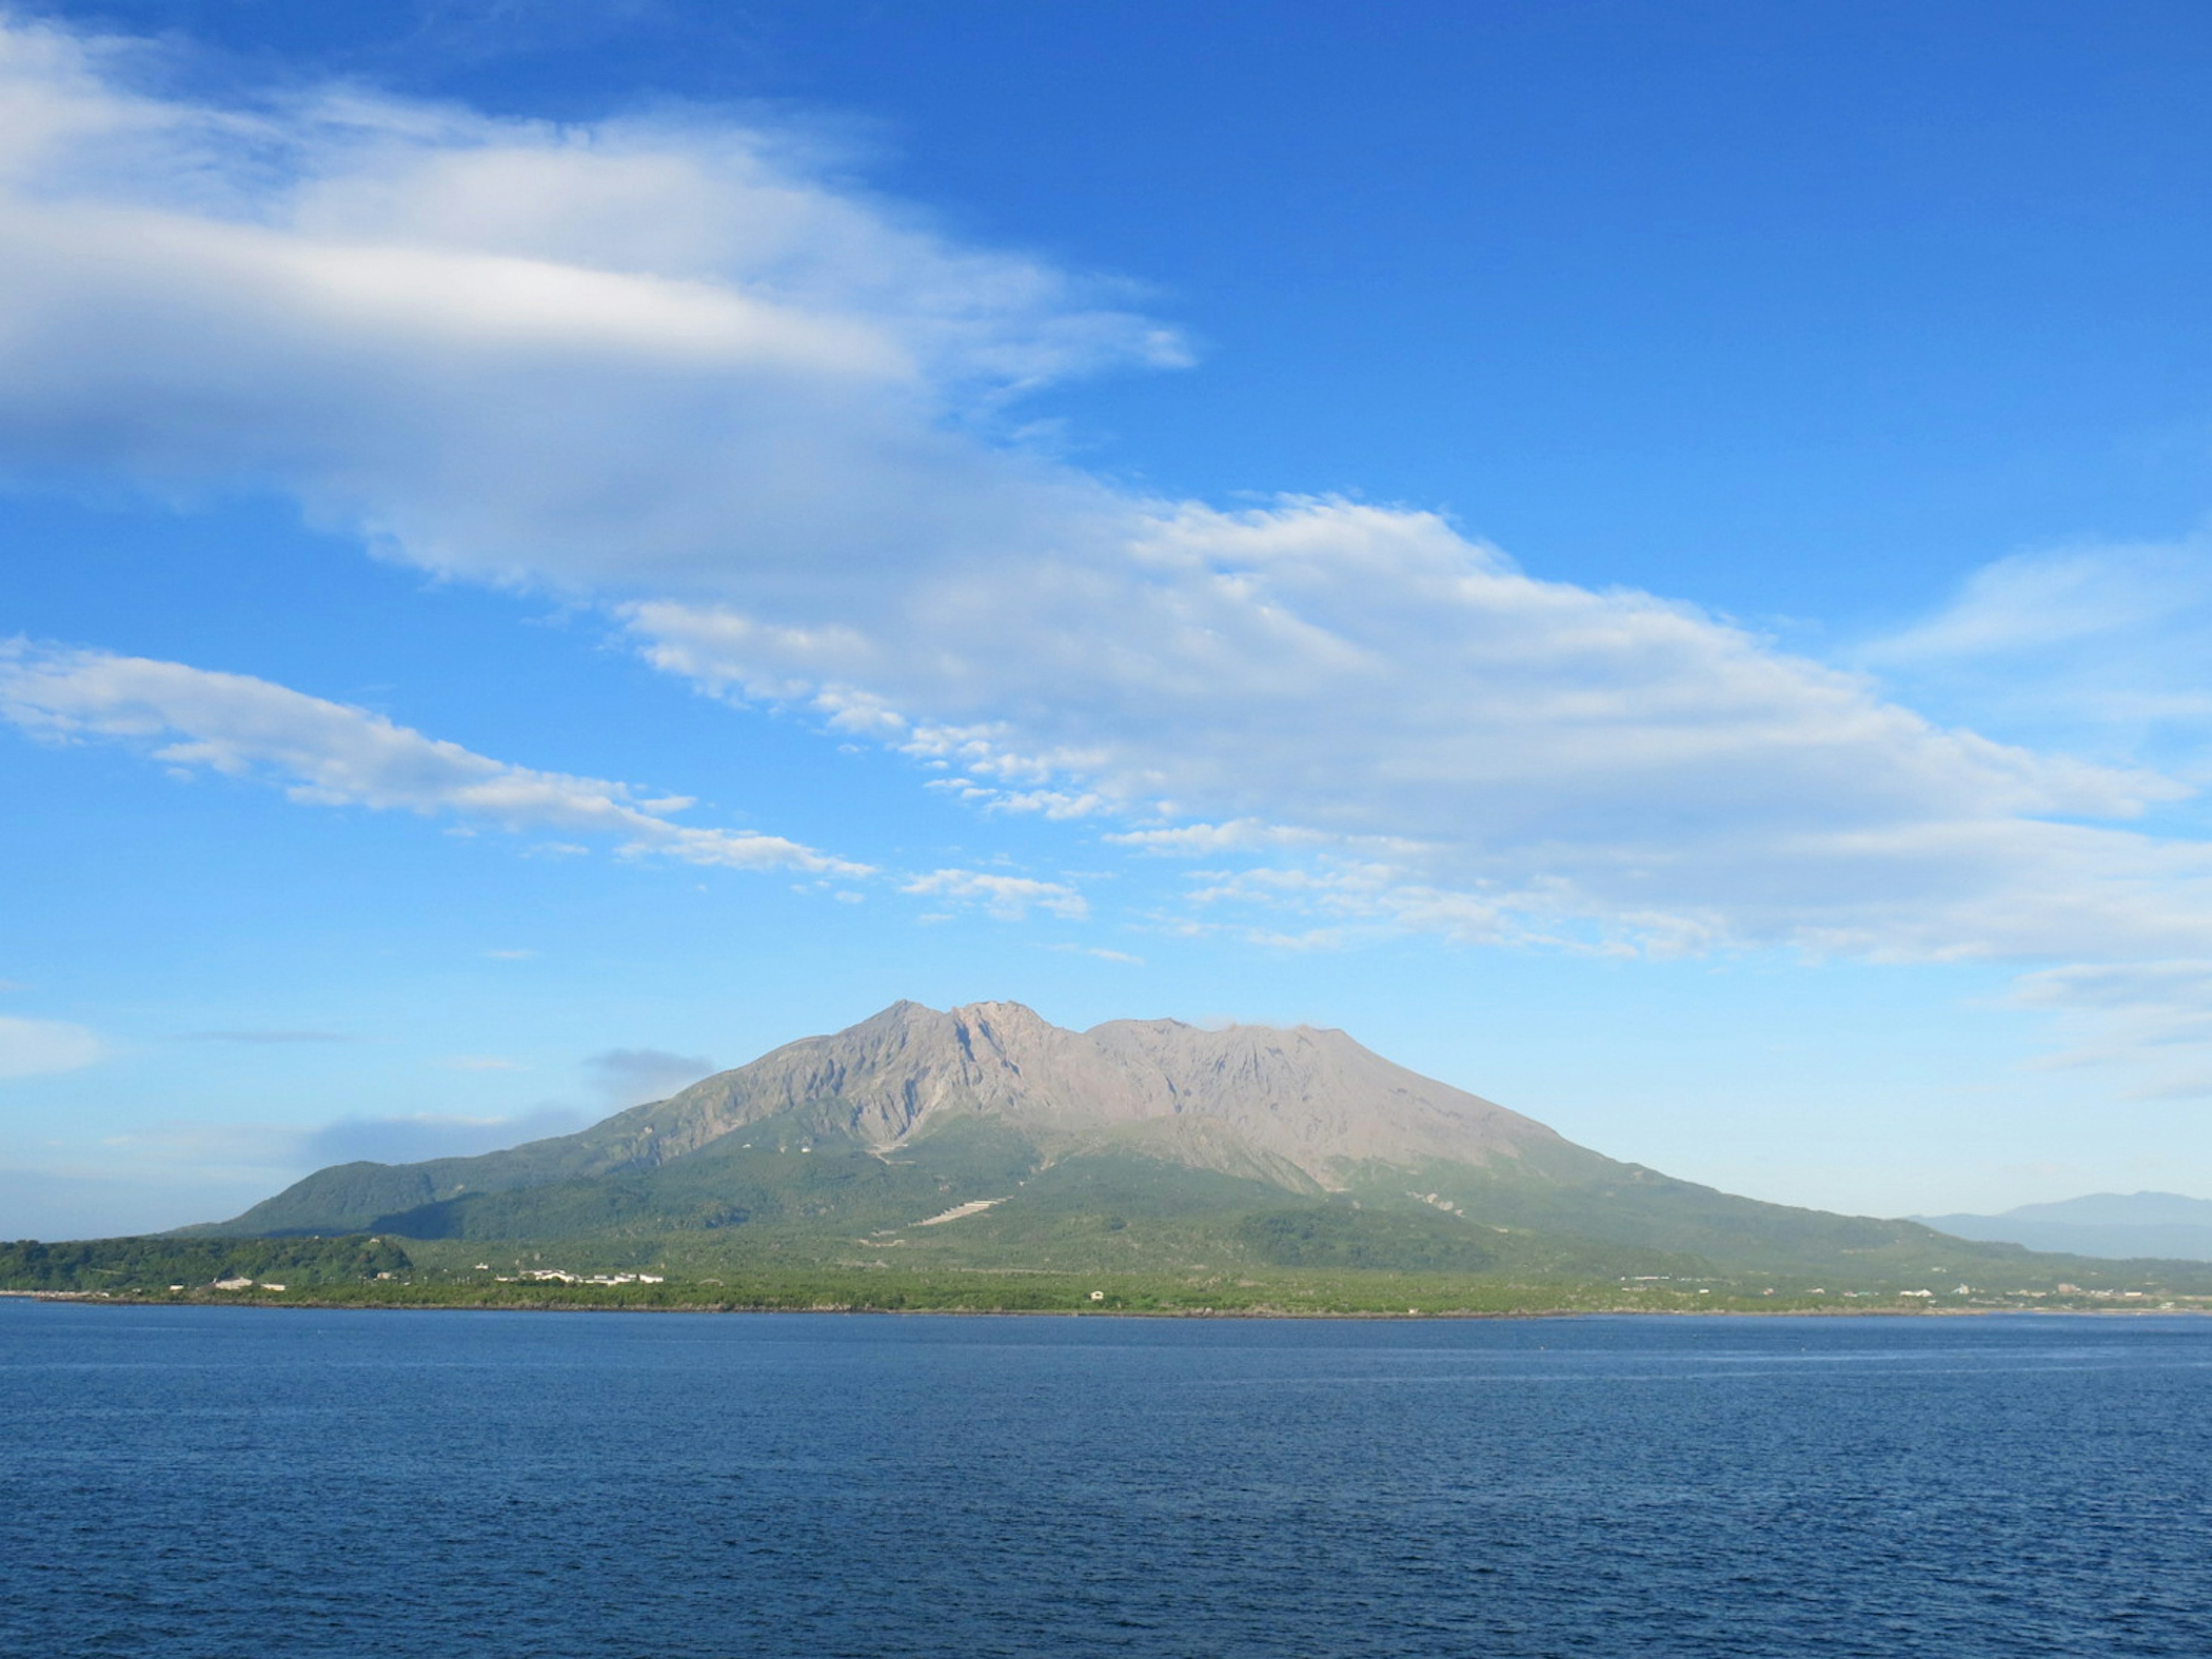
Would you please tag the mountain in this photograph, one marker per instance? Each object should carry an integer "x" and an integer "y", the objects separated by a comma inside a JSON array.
[
  {"x": 2111, "y": 1225},
  {"x": 985, "y": 1135}
]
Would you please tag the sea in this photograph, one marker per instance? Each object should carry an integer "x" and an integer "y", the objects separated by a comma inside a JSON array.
[{"x": 197, "y": 1483}]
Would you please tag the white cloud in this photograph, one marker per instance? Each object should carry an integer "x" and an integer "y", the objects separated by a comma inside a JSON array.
[
  {"x": 1510, "y": 756},
  {"x": 1008, "y": 897},
  {"x": 627, "y": 353},
  {"x": 2096, "y": 648},
  {"x": 2151, "y": 1021},
  {"x": 34, "y": 1047},
  {"x": 327, "y": 754},
  {"x": 683, "y": 368},
  {"x": 1195, "y": 840},
  {"x": 1102, "y": 954},
  {"x": 2052, "y": 596}
]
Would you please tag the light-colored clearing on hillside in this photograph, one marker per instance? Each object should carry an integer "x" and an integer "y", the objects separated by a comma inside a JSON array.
[{"x": 957, "y": 1210}]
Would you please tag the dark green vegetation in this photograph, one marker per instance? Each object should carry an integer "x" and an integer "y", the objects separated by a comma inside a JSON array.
[
  {"x": 801, "y": 1219},
  {"x": 144, "y": 1266},
  {"x": 686, "y": 1277},
  {"x": 796, "y": 1195},
  {"x": 981, "y": 1158}
]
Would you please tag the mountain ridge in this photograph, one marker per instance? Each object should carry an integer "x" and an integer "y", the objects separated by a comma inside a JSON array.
[{"x": 909, "y": 1065}]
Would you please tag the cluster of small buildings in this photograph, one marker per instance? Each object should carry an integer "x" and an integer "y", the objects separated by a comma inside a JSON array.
[{"x": 557, "y": 1275}]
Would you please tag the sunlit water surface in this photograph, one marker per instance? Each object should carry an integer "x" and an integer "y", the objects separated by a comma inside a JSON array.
[{"x": 193, "y": 1483}]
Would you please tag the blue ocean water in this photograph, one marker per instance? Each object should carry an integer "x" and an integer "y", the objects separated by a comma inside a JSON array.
[{"x": 276, "y": 1484}]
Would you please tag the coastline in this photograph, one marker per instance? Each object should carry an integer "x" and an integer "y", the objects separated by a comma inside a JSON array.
[{"x": 1731, "y": 1309}]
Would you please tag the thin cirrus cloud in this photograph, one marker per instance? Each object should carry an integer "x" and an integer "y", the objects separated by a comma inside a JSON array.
[
  {"x": 2095, "y": 648},
  {"x": 777, "y": 458},
  {"x": 1008, "y": 897},
  {"x": 2154, "y": 1019},
  {"x": 38, "y": 1048},
  {"x": 329, "y": 754}
]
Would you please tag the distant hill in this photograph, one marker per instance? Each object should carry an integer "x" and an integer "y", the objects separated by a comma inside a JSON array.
[
  {"x": 2112, "y": 1226},
  {"x": 984, "y": 1137}
]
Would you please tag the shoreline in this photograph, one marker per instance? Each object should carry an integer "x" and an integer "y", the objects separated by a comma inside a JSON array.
[{"x": 100, "y": 1298}]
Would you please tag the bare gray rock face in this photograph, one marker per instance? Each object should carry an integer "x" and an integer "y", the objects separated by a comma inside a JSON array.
[{"x": 1291, "y": 1106}]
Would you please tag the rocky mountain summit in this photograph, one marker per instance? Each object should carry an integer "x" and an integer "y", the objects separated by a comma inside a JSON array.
[{"x": 1283, "y": 1103}]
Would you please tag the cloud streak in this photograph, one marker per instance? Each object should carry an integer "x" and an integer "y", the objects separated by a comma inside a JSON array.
[
  {"x": 1010, "y": 899},
  {"x": 2096, "y": 648},
  {"x": 2151, "y": 1020},
  {"x": 329, "y": 754},
  {"x": 39, "y": 1047}
]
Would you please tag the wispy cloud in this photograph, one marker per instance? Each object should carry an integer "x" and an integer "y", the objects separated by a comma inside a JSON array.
[
  {"x": 2099, "y": 647},
  {"x": 2148, "y": 1023},
  {"x": 1008, "y": 897},
  {"x": 781, "y": 459},
  {"x": 34, "y": 1047},
  {"x": 329, "y": 754},
  {"x": 1100, "y": 952}
]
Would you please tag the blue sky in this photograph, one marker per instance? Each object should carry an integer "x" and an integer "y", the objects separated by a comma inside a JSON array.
[{"x": 1649, "y": 561}]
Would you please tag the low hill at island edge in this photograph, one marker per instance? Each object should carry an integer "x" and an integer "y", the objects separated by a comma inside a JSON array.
[
  {"x": 2114, "y": 1226},
  {"x": 985, "y": 1138}
]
